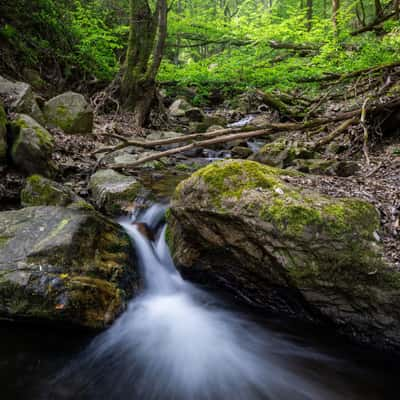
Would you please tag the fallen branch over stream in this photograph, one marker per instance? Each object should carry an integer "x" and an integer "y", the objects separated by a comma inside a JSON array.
[{"x": 201, "y": 140}]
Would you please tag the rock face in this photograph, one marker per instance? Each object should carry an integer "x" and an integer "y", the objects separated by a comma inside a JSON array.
[
  {"x": 39, "y": 191},
  {"x": 3, "y": 135},
  {"x": 287, "y": 249},
  {"x": 32, "y": 146},
  {"x": 19, "y": 97},
  {"x": 113, "y": 192},
  {"x": 67, "y": 265},
  {"x": 70, "y": 112}
]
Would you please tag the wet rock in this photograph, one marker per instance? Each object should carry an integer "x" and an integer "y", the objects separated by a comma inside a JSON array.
[
  {"x": 64, "y": 265},
  {"x": 19, "y": 97},
  {"x": 282, "y": 153},
  {"x": 179, "y": 107},
  {"x": 70, "y": 112},
  {"x": 40, "y": 191},
  {"x": 32, "y": 146},
  {"x": 241, "y": 225},
  {"x": 145, "y": 230},
  {"x": 241, "y": 152},
  {"x": 113, "y": 192},
  {"x": 3, "y": 135}
]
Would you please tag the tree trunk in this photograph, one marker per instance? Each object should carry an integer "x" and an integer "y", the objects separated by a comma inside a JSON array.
[
  {"x": 309, "y": 15},
  {"x": 146, "y": 44},
  {"x": 335, "y": 10}
]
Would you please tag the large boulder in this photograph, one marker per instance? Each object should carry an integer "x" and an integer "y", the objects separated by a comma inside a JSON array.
[
  {"x": 19, "y": 97},
  {"x": 70, "y": 112},
  {"x": 113, "y": 192},
  {"x": 40, "y": 191},
  {"x": 285, "y": 248},
  {"x": 3, "y": 135},
  {"x": 63, "y": 264},
  {"x": 32, "y": 146}
]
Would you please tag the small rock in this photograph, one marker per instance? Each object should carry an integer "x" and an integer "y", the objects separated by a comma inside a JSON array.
[
  {"x": 40, "y": 191},
  {"x": 113, "y": 192},
  {"x": 241, "y": 152},
  {"x": 195, "y": 114},
  {"x": 179, "y": 107},
  {"x": 32, "y": 146}
]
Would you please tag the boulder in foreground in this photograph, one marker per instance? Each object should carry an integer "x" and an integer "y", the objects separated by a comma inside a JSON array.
[
  {"x": 65, "y": 265},
  {"x": 282, "y": 247}
]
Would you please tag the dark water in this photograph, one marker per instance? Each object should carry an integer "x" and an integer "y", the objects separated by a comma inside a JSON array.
[{"x": 178, "y": 342}]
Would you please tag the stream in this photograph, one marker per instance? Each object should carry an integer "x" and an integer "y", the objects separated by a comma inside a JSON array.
[{"x": 177, "y": 341}]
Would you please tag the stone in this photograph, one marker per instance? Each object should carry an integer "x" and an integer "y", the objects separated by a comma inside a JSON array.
[
  {"x": 113, "y": 192},
  {"x": 179, "y": 107},
  {"x": 241, "y": 152},
  {"x": 214, "y": 128},
  {"x": 282, "y": 247},
  {"x": 71, "y": 112},
  {"x": 326, "y": 167},
  {"x": 19, "y": 97},
  {"x": 281, "y": 153},
  {"x": 40, "y": 191},
  {"x": 3, "y": 135},
  {"x": 194, "y": 114},
  {"x": 64, "y": 265},
  {"x": 32, "y": 146}
]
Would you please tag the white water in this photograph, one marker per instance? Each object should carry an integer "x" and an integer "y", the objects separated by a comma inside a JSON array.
[{"x": 176, "y": 342}]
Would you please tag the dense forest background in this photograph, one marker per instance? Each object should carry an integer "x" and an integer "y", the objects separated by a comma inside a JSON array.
[{"x": 214, "y": 47}]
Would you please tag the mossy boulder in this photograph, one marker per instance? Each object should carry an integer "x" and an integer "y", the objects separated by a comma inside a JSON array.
[
  {"x": 113, "y": 192},
  {"x": 71, "y": 112},
  {"x": 40, "y": 191},
  {"x": 282, "y": 247},
  {"x": 241, "y": 152},
  {"x": 19, "y": 97},
  {"x": 281, "y": 153},
  {"x": 32, "y": 146},
  {"x": 3, "y": 135},
  {"x": 64, "y": 265}
]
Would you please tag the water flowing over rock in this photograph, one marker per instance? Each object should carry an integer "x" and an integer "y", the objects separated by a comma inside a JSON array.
[
  {"x": 286, "y": 248},
  {"x": 113, "y": 192},
  {"x": 67, "y": 265},
  {"x": 19, "y": 97},
  {"x": 40, "y": 191},
  {"x": 70, "y": 112},
  {"x": 32, "y": 146}
]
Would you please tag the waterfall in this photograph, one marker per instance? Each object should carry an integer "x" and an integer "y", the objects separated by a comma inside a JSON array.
[{"x": 177, "y": 342}]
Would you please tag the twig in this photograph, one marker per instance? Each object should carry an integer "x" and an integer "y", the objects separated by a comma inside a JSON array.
[{"x": 364, "y": 126}]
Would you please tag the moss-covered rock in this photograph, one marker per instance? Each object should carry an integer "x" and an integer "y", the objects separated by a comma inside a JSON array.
[
  {"x": 40, "y": 191},
  {"x": 241, "y": 152},
  {"x": 285, "y": 248},
  {"x": 19, "y": 97},
  {"x": 62, "y": 264},
  {"x": 112, "y": 192},
  {"x": 282, "y": 153},
  {"x": 3, "y": 135},
  {"x": 32, "y": 146},
  {"x": 70, "y": 112}
]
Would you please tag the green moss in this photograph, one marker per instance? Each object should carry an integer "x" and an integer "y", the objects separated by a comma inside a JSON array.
[{"x": 229, "y": 179}]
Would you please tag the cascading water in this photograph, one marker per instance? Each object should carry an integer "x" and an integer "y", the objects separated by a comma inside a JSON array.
[{"x": 176, "y": 342}]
